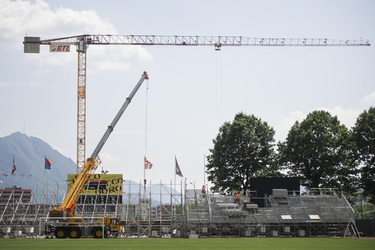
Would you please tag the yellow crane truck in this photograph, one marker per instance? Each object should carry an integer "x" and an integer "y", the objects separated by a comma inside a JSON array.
[{"x": 61, "y": 222}]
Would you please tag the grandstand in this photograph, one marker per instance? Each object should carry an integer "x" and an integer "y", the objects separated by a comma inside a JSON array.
[
  {"x": 320, "y": 213},
  {"x": 166, "y": 212}
]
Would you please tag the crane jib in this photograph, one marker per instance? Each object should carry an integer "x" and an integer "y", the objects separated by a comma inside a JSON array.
[{"x": 32, "y": 43}]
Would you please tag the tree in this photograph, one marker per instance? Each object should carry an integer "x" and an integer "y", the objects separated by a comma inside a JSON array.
[
  {"x": 320, "y": 151},
  {"x": 242, "y": 149},
  {"x": 364, "y": 137}
]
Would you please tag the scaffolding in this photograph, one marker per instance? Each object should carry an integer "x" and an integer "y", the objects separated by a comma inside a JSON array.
[
  {"x": 321, "y": 213},
  {"x": 168, "y": 210}
]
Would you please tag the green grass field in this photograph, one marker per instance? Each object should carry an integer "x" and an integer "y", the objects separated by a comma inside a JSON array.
[{"x": 180, "y": 244}]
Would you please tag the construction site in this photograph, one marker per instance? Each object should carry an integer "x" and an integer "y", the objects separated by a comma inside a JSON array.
[
  {"x": 173, "y": 210},
  {"x": 108, "y": 206}
]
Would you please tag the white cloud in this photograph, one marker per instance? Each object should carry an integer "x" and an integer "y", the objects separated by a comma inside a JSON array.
[
  {"x": 21, "y": 18},
  {"x": 347, "y": 117},
  {"x": 291, "y": 118},
  {"x": 286, "y": 122},
  {"x": 45, "y": 58},
  {"x": 4, "y": 84},
  {"x": 369, "y": 99}
]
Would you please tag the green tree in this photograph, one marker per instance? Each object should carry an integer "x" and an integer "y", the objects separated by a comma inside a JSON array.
[
  {"x": 320, "y": 151},
  {"x": 364, "y": 137},
  {"x": 242, "y": 149}
]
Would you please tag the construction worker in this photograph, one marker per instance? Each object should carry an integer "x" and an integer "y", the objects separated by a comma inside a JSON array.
[{"x": 237, "y": 200}]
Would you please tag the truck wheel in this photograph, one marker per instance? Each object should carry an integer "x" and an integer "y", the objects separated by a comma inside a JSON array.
[
  {"x": 75, "y": 233},
  {"x": 60, "y": 233},
  {"x": 97, "y": 232}
]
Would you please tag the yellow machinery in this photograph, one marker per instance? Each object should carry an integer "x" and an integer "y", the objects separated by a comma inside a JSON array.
[{"x": 63, "y": 223}]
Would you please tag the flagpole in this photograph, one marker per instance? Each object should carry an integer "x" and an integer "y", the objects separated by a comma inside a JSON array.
[
  {"x": 13, "y": 173},
  {"x": 13, "y": 182},
  {"x": 175, "y": 166},
  {"x": 44, "y": 172},
  {"x": 144, "y": 160},
  {"x": 144, "y": 176}
]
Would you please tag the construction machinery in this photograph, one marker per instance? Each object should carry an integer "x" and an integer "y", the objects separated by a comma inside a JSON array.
[
  {"x": 61, "y": 221},
  {"x": 62, "y": 44}
]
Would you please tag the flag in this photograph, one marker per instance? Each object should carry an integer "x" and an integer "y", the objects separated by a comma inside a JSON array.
[
  {"x": 14, "y": 166},
  {"x": 148, "y": 164},
  {"x": 47, "y": 163},
  {"x": 178, "y": 170}
]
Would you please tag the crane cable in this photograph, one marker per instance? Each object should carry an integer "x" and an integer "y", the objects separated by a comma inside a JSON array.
[
  {"x": 145, "y": 155},
  {"x": 146, "y": 118},
  {"x": 219, "y": 89}
]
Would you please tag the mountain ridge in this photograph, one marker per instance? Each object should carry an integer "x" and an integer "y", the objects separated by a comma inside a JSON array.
[{"x": 29, "y": 153}]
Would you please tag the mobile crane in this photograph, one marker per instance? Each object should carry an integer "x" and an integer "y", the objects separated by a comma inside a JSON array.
[{"x": 62, "y": 221}]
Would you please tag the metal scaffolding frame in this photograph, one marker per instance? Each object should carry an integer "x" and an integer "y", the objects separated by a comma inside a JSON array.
[
  {"x": 322, "y": 213},
  {"x": 172, "y": 210}
]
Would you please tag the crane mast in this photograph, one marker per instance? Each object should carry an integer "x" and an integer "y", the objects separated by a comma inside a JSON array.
[
  {"x": 81, "y": 107},
  {"x": 62, "y": 44}
]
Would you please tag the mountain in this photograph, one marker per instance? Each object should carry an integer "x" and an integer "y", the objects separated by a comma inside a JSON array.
[{"x": 29, "y": 153}]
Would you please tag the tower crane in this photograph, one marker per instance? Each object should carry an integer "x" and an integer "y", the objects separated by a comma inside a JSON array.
[{"x": 62, "y": 44}]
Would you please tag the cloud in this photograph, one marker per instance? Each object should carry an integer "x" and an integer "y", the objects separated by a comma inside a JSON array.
[
  {"x": 22, "y": 18},
  {"x": 291, "y": 118},
  {"x": 369, "y": 99},
  {"x": 45, "y": 59},
  {"x": 4, "y": 84},
  {"x": 347, "y": 117},
  {"x": 286, "y": 122}
]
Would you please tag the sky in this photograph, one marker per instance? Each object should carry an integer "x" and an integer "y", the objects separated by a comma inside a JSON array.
[{"x": 192, "y": 91}]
